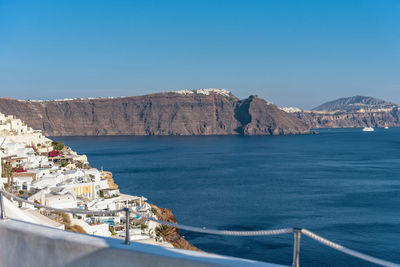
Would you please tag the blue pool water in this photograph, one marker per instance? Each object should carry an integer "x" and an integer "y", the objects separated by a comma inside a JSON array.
[
  {"x": 342, "y": 184},
  {"x": 111, "y": 223}
]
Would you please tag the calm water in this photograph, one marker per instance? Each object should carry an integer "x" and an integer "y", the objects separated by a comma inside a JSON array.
[{"x": 341, "y": 184}]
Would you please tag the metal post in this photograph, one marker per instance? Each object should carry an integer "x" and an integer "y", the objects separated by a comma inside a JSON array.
[
  {"x": 2, "y": 212},
  {"x": 127, "y": 226},
  {"x": 296, "y": 247}
]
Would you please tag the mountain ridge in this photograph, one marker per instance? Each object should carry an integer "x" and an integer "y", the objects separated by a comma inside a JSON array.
[
  {"x": 355, "y": 103},
  {"x": 351, "y": 112},
  {"x": 185, "y": 112}
]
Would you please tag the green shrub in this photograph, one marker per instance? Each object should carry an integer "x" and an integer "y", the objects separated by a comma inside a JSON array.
[
  {"x": 154, "y": 211},
  {"x": 111, "y": 229},
  {"x": 57, "y": 145},
  {"x": 164, "y": 231}
]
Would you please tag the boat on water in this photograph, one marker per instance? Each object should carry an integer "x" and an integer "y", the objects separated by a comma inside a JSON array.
[
  {"x": 386, "y": 127},
  {"x": 368, "y": 129}
]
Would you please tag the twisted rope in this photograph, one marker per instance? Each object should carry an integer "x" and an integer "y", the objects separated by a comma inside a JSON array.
[
  {"x": 348, "y": 251},
  {"x": 222, "y": 232}
]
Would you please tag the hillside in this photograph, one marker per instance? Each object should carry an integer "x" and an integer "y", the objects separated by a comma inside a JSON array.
[
  {"x": 188, "y": 112},
  {"x": 355, "y": 103},
  {"x": 351, "y": 112}
]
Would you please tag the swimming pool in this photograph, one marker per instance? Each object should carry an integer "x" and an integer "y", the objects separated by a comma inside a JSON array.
[{"x": 109, "y": 222}]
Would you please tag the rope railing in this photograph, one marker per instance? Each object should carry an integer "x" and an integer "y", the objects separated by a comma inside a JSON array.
[
  {"x": 296, "y": 231},
  {"x": 348, "y": 251},
  {"x": 221, "y": 232}
]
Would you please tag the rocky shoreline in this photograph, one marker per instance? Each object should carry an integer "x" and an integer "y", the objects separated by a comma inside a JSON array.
[{"x": 174, "y": 238}]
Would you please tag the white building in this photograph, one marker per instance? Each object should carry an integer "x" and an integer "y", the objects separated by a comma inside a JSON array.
[
  {"x": 61, "y": 201},
  {"x": 18, "y": 131}
]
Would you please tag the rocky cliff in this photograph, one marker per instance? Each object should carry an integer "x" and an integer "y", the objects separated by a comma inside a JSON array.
[
  {"x": 173, "y": 236},
  {"x": 343, "y": 119},
  {"x": 259, "y": 117},
  {"x": 194, "y": 112},
  {"x": 351, "y": 112}
]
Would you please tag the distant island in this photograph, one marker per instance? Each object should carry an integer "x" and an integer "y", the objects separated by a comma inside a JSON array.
[
  {"x": 350, "y": 112},
  {"x": 185, "y": 112}
]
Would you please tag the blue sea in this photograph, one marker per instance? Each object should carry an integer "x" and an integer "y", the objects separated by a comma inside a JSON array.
[{"x": 343, "y": 184}]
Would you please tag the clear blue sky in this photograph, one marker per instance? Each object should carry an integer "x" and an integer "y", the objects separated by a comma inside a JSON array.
[{"x": 293, "y": 53}]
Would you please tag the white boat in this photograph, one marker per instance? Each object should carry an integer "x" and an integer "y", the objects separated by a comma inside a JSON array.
[
  {"x": 386, "y": 127},
  {"x": 368, "y": 129}
]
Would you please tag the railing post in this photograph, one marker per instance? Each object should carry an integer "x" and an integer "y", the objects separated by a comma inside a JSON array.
[
  {"x": 296, "y": 247},
  {"x": 127, "y": 226},
  {"x": 2, "y": 212}
]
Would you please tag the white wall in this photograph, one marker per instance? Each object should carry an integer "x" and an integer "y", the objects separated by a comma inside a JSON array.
[
  {"x": 66, "y": 201},
  {"x": 5, "y": 127}
]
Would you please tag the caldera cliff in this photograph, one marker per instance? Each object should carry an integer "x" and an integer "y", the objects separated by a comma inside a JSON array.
[{"x": 189, "y": 112}]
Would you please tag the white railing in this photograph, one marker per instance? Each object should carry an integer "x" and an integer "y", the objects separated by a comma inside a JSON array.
[{"x": 297, "y": 232}]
